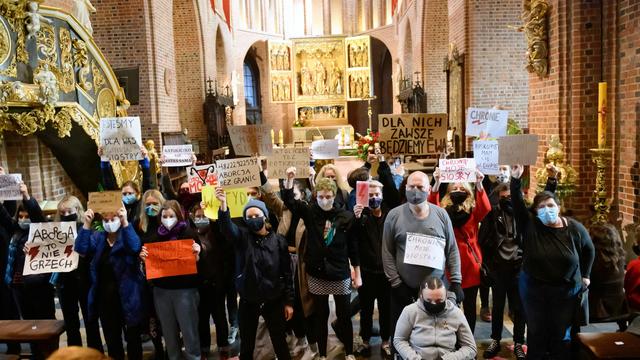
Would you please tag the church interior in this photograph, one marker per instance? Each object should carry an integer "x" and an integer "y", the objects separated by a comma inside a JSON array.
[{"x": 566, "y": 71}]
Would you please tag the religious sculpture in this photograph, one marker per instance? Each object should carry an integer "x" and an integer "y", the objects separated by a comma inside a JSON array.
[
  {"x": 82, "y": 9},
  {"x": 33, "y": 19},
  {"x": 48, "y": 84},
  {"x": 535, "y": 30},
  {"x": 320, "y": 78},
  {"x": 567, "y": 178}
]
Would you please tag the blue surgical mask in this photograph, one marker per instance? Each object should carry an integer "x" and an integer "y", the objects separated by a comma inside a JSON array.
[
  {"x": 152, "y": 210},
  {"x": 548, "y": 215},
  {"x": 24, "y": 224},
  {"x": 375, "y": 202},
  {"x": 129, "y": 199}
]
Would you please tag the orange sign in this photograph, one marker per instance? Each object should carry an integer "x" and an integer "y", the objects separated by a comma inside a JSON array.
[{"x": 170, "y": 258}]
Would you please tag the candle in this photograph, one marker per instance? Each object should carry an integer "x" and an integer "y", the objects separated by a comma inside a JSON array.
[
  {"x": 602, "y": 114},
  {"x": 273, "y": 137},
  {"x": 280, "y": 137}
]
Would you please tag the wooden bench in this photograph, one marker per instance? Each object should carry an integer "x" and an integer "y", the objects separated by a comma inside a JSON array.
[
  {"x": 618, "y": 345},
  {"x": 45, "y": 334}
]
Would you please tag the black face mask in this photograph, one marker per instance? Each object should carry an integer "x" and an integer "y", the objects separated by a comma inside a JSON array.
[
  {"x": 72, "y": 217},
  {"x": 458, "y": 197},
  {"x": 255, "y": 224},
  {"x": 434, "y": 309},
  {"x": 505, "y": 204}
]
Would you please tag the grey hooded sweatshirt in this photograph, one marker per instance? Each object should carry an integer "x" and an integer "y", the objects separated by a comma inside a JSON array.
[{"x": 420, "y": 335}]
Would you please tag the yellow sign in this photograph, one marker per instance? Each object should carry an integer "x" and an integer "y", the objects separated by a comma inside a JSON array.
[{"x": 236, "y": 199}]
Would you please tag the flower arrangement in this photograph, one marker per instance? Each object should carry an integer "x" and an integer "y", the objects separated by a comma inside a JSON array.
[{"x": 366, "y": 142}]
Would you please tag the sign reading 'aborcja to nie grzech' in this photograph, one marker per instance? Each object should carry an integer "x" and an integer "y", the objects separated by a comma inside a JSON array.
[{"x": 412, "y": 134}]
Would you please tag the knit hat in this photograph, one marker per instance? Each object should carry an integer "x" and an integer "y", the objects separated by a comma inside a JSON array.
[{"x": 257, "y": 204}]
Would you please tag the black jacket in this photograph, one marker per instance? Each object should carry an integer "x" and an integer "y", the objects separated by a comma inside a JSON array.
[
  {"x": 326, "y": 262},
  {"x": 263, "y": 271},
  {"x": 216, "y": 257},
  {"x": 369, "y": 229}
]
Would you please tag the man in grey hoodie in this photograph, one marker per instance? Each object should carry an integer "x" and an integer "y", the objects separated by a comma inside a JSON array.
[{"x": 431, "y": 327}]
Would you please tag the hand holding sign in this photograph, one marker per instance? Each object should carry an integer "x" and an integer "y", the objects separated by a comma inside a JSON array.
[
  {"x": 457, "y": 170},
  {"x": 120, "y": 139},
  {"x": 516, "y": 171}
]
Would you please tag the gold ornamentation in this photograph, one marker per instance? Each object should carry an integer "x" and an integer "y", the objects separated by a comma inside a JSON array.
[
  {"x": 66, "y": 80},
  {"x": 15, "y": 12},
  {"x": 62, "y": 121},
  {"x": 11, "y": 70},
  {"x": 123, "y": 103},
  {"x": 106, "y": 103},
  {"x": 568, "y": 176},
  {"x": 98, "y": 78},
  {"x": 5, "y": 43},
  {"x": 81, "y": 60},
  {"x": 536, "y": 32},
  {"x": 47, "y": 45},
  {"x": 601, "y": 203},
  {"x": 18, "y": 92}
]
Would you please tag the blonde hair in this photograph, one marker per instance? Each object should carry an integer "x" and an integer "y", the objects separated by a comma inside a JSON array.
[
  {"x": 144, "y": 219},
  {"x": 326, "y": 184},
  {"x": 339, "y": 180},
  {"x": 467, "y": 205},
  {"x": 77, "y": 353},
  {"x": 72, "y": 202},
  {"x": 375, "y": 184}
]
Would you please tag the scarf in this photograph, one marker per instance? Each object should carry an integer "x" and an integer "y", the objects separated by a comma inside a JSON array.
[{"x": 175, "y": 231}]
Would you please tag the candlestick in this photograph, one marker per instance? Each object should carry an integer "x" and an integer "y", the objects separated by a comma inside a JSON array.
[
  {"x": 280, "y": 137},
  {"x": 602, "y": 115},
  {"x": 273, "y": 137}
]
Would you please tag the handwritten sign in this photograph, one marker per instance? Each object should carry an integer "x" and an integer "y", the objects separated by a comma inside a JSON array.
[
  {"x": 486, "y": 122},
  {"x": 170, "y": 258},
  {"x": 120, "y": 139},
  {"x": 236, "y": 199},
  {"x": 249, "y": 140},
  {"x": 105, "y": 202},
  {"x": 325, "y": 149},
  {"x": 199, "y": 176},
  {"x": 518, "y": 149},
  {"x": 236, "y": 173},
  {"x": 362, "y": 193},
  {"x": 282, "y": 159},
  {"x": 177, "y": 155},
  {"x": 50, "y": 248},
  {"x": 457, "y": 170},
  {"x": 424, "y": 250},
  {"x": 486, "y": 152},
  {"x": 10, "y": 187},
  {"x": 412, "y": 134}
]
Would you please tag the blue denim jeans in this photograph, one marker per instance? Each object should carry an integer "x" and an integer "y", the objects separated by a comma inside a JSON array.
[
  {"x": 549, "y": 310},
  {"x": 177, "y": 310}
]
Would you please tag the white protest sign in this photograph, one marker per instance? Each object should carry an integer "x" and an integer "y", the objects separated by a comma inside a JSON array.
[
  {"x": 249, "y": 140},
  {"x": 200, "y": 176},
  {"x": 282, "y": 159},
  {"x": 325, "y": 149},
  {"x": 10, "y": 187},
  {"x": 518, "y": 149},
  {"x": 177, "y": 155},
  {"x": 457, "y": 170},
  {"x": 237, "y": 173},
  {"x": 50, "y": 248},
  {"x": 486, "y": 152},
  {"x": 424, "y": 250},
  {"x": 486, "y": 122},
  {"x": 120, "y": 139}
]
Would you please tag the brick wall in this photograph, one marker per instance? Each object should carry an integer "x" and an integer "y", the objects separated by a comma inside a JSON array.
[
  {"x": 66, "y": 5},
  {"x": 435, "y": 36}
]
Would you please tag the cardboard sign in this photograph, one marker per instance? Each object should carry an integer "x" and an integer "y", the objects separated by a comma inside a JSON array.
[
  {"x": 362, "y": 193},
  {"x": 50, "y": 248},
  {"x": 177, "y": 155},
  {"x": 424, "y": 250},
  {"x": 236, "y": 199},
  {"x": 518, "y": 149},
  {"x": 282, "y": 159},
  {"x": 170, "y": 258},
  {"x": 486, "y": 154},
  {"x": 325, "y": 149},
  {"x": 105, "y": 202},
  {"x": 10, "y": 187},
  {"x": 490, "y": 123},
  {"x": 249, "y": 140},
  {"x": 120, "y": 139},
  {"x": 457, "y": 170},
  {"x": 236, "y": 173},
  {"x": 412, "y": 134},
  {"x": 199, "y": 176}
]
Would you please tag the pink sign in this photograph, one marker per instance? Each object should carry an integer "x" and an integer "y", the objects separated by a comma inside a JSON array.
[{"x": 362, "y": 193}]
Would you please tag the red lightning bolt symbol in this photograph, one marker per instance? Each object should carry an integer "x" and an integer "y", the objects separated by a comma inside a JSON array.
[
  {"x": 68, "y": 250},
  {"x": 34, "y": 251}
]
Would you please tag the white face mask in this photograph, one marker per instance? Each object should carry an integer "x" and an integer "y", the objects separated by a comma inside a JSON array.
[
  {"x": 111, "y": 226},
  {"x": 325, "y": 204},
  {"x": 169, "y": 223}
]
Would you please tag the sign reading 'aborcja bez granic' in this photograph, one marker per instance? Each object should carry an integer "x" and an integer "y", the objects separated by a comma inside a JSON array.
[{"x": 412, "y": 134}]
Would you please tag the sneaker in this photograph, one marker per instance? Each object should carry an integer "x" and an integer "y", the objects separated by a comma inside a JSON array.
[
  {"x": 518, "y": 351},
  {"x": 492, "y": 350},
  {"x": 233, "y": 334},
  {"x": 301, "y": 346},
  {"x": 485, "y": 314},
  {"x": 386, "y": 349},
  {"x": 350, "y": 357},
  {"x": 358, "y": 344}
]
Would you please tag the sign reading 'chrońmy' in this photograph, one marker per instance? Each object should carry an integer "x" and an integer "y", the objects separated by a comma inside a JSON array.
[{"x": 412, "y": 134}]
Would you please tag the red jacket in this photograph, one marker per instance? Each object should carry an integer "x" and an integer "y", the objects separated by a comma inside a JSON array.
[
  {"x": 467, "y": 238},
  {"x": 632, "y": 284}
]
